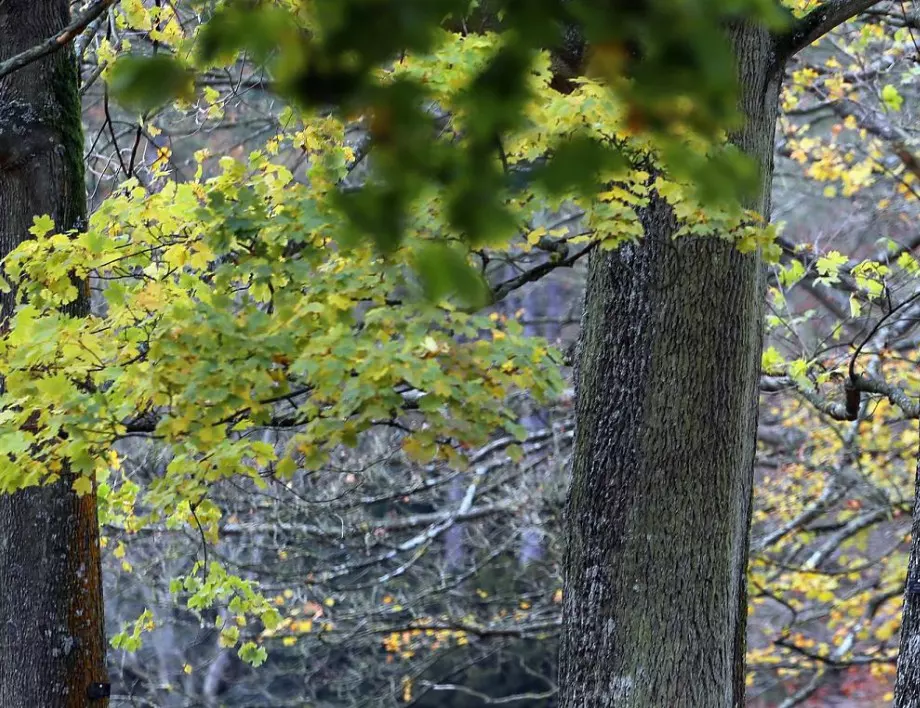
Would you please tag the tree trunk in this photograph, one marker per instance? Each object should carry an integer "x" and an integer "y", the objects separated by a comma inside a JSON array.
[
  {"x": 659, "y": 508},
  {"x": 907, "y": 684},
  {"x": 52, "y": 641}
]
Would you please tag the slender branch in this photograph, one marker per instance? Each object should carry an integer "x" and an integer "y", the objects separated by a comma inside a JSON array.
[
  {"x": 502, "y": 290},
  {"x": 878, "y": 125},
  {"x": 817, "y": 23},
  {"x": 395, "y": 525},
  {"x": 831, "y": 494},
  {"x": 57, "y": 41},
  {"x": 898, "y": 396},
  {"x": 833, "y": 409},
  {"x": 863, "y": 382},
  {"x": 519, "y": 631},
  {"x": 852, "y": 528},
  {"x": 875, "y": 329},
  {"x": 489, "y": 700},
  {"x": 804, "y": 693}
]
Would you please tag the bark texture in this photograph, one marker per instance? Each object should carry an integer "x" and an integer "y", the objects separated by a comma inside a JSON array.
[
  {"x": 52, "y": 643},
  {"x": 659, "y": 508},
  {"x": 907, "y": 684}
]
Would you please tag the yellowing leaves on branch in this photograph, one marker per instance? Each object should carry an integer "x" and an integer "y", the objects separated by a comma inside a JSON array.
[{"x": 248, "y": 297}]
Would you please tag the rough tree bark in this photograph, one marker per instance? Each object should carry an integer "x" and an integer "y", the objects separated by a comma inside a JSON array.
[
  {"x": 907, "y": 684},
  {"x": 659, "y": 508},
  {"x": 52, "y": 642}
]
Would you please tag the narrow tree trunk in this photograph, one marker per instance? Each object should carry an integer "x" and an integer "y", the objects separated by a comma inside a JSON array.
[
  {"x": 659, "y": 507},
  {"x": 52, "y": 643},
  {"x": 907, "y": 684}
]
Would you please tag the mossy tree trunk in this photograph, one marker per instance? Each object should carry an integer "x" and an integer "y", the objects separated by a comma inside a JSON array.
[
  {"x": 659, "y": 508},
  {"x": 52, "y": 643},
  {"x": 907, "y": 683},
  {"x": 660, "y": 502}
]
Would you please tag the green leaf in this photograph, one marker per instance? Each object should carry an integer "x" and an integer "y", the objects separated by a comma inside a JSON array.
[
  {"x": 252, "y": 654},
  {"x": 855, "y": 306},
  {"x": 771, "y": 361},
  {"x": 444, "y": 271},
  {"x": 144, "y": 83},
  {"x": 828, "y": 267},
  {"x": 791, "y": 274},
  {"x": 41, "y": 226},
  {"x": 892, "y": 98},
  {"x": 82, "y": 485},
  {"x": 286, "y": 468}
]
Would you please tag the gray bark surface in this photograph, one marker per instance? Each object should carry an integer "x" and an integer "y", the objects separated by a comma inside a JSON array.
[
  {"x": 907, "y": 683},
  {"x": 52, "y": 643},
  {"x": 659, "y": 508}
]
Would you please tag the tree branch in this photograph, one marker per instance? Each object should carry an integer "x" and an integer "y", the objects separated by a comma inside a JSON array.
[
  {"x": 878, "y": 125},
  {"x": 817, "y": 23},
  {"x": 489, "y": 700},
  {"x": 501, "y": 291},
  {"x": 57, "y": 41}
]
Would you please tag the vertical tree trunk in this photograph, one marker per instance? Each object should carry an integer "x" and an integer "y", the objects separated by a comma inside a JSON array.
[
  {"x": 659, "y": 507},
  {"x": 52, "y": 643},
  {"x": 907, "y": 684}
]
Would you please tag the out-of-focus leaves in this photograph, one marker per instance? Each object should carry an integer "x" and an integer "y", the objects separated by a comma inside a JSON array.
[
  {"x": 377, "y": 212},
  {"x": 667, "y": 62},
  {"x": 143, "y": 83},
  {"x": 259, "y": 30},
  {"x": 720, "y": 175},
  {"x": 578, "y": 164},
  {"x": 444, "y": 271},
  {"x": 497, "y": 95}
]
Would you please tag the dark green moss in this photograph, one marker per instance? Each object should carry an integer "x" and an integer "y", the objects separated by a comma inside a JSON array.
[{"x": 68, "y": 122}]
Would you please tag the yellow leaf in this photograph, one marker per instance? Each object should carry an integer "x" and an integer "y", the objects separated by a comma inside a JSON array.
[
  {"x": 82, "y": 485},
  {"x": 339, "y": 302},
  {"x": 534, "y": 236},
  {"x": 41, "y": 225},
  {"x": 176, "y": 255}
]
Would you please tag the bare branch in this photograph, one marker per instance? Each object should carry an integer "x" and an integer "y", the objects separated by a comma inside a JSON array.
[
  {"x": 489, "y": 700},
  {"x": 878, "y": 125},
  {"x": 57, "y": 41},
  {"x": 833, "y": 409},
  {"x": 502, "y": 290},
  {"x": 804, "y": 693},
  {"x": 817, "y": 23},
  {"x": 898, "y": 396}
]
